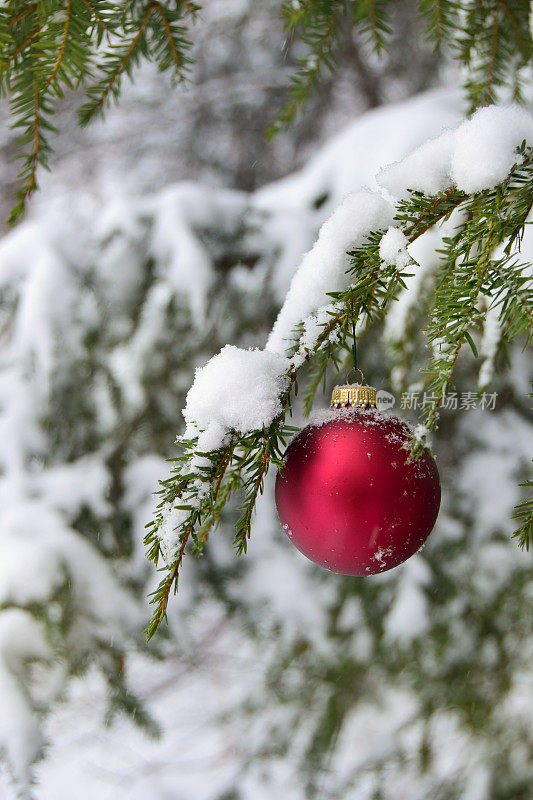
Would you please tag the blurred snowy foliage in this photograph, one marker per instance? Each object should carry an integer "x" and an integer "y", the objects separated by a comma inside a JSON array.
[
  {"x": 278, "y": 679},
  {"x": 213, "y": 128}
]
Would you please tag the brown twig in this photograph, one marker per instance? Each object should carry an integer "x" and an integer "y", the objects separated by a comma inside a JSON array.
[
  {"x": 432, "y": 206},
  {"x": 62, "y": 46},
  {"x": 95, "y": 13},
  {"x": 175, "y": 55},
  {"x": 22, "y": 14},
  {"x": 101, "y": 100},
  {"x": 21, "y": 46}
]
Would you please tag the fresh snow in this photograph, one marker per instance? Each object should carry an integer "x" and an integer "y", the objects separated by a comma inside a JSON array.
[
  {"x": 323, "y": 268},
  {"x": 236, "y": 390},
  {"x": 485, "y": 146},
  {"x": 477, "y": 155},
  {"x": 393, "y": 248}
]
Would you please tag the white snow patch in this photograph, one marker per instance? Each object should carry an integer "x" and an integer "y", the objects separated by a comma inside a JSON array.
[
  {"x": 477, "y": 155},
  {"x": 393, "y": 248},
  {"x": 323, "y": 268},
  {"x": 169, "y": 531},
  {"x": 485, "y": 146},
  {"x": 21, "y": 641},
  {"x": 237, "y": 389},
  {"x": 426, "y": 169},
  {"x": 421, "y": 434}
]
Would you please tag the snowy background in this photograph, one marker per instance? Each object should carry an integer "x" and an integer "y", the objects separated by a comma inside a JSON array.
[{"x": 161, "y": 235}]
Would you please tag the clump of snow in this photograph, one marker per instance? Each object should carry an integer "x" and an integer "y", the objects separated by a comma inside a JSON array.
[
  {"x": 313, "y": 326},
  {"x": 478, "y": 155},
  {"x": 169, "y": 531},
  {"x": 289, "y": 216},
  {"x": 485, "y": 146},
  {"x": 52, "y": 554},
  {"x": 421, "y": 434},
  {"x": 323, "y": 268},
  {"x": 426, "y": 169},
  {"x": 393, "y": 248},
  {"x": 236, "y": 390}
]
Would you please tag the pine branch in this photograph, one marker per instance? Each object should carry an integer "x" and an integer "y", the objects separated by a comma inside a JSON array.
[
  {"x": 116, "y": 68},
  {"x": 469, "y": 270},
  {"x": 168, "y": 32},
  {"x": 321, "y": 23},
  {"x": 161, "y": 595},
  {"x": 30, "y": 9},
  {"x": 524, "y": 514},
  {"x": 62, "y": 46},
  {"x": 22, "y": 46},
  {"x": 255, "y": 486},
  {"x": 515, "y": 26},
  {"x": 28, "y": 103},
  {"x": 95, "y": 14},
  {"x": 441, "y": 18},
  {"x": 55, "y": 45}
]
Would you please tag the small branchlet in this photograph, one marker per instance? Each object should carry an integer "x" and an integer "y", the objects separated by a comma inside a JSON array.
[{"x": 524, "y": 515}]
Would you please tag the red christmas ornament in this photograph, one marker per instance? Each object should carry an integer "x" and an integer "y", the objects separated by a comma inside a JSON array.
[{"x": 348, "y": 497}]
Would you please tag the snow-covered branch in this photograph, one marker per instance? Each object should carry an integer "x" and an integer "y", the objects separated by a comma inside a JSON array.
[{"x": 483, "y": 173}]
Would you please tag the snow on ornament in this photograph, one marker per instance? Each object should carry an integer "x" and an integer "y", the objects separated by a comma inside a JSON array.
[{"x": 348, "y": 496}]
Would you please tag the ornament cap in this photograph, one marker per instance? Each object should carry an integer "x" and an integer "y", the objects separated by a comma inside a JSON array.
[{"x": 353, "y": 394}]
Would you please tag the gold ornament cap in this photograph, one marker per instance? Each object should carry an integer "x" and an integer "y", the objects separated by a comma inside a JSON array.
[{"x": 353, "y": 394}]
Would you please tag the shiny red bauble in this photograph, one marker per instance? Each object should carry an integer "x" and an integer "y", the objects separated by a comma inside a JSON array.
[{"x": 348, "y": 497}]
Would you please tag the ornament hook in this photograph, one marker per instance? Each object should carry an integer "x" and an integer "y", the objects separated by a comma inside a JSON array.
[{"x": 355, "y": 369}]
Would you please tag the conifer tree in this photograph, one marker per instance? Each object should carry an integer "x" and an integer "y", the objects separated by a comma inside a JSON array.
[{"x": 481, "y": 280}]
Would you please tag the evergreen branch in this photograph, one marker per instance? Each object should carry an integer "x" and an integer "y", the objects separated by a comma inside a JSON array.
[
  {"x": 433, "y": 212},
  {"x": 95, "y": 14},
  {"x": 441, "y": 16},
  {"x": 452, "y": 334},
  {"x": 375, "y": 22},
  {"x": 62, "y": 46},
  {"x": 438, "y": 19},
  {"x": 492, "y": 60},
  {"x": 36, "y": 140},
  {"x": 469, "y": 270},
  {"x": 319, "y": 38},
  {"x": 97, "y": 104},
  {"x": 163, "y": 592},
  {"x": 36, "y": 156},
  {"x": 514, "y": 24},
  {"x": 19, "y": 49},
  {"x": 524, "y": 514},
  {"x": 491, "y": 40},
  {"x": 243, "y": 527},
  {"x": 226, "y": 459},
  {"x": 168, "y": 32},
  {"x": 192, "y": 8},
  {"x": 22, "y": 15}
]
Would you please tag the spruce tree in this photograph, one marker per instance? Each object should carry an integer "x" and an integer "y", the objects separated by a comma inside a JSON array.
[{"x": 480, "y": 277}]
